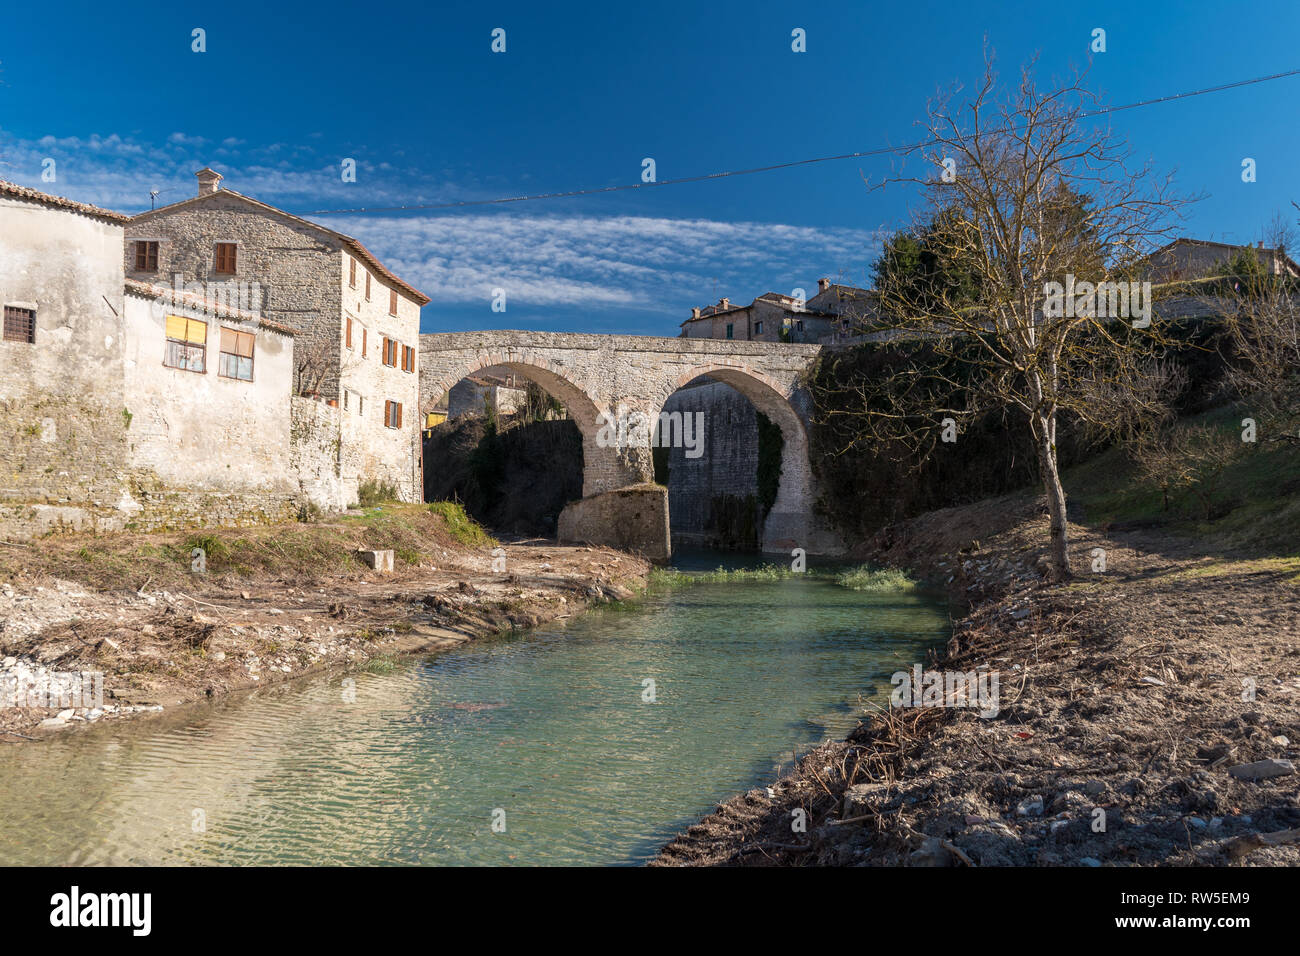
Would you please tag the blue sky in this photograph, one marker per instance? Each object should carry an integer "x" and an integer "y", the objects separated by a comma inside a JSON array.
[{"x": 583, "y": 93}]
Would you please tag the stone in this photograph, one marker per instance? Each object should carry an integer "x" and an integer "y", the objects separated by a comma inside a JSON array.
[
  {"x": 1031, "y": 807},
  {"x": 378, "y": 560},
  {"x": 52, "y": 722},
  {"x": 1262, "y": 769}
]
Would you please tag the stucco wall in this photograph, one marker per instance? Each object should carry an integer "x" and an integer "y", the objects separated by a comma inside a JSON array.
[
  {"x": 199, "y": 433},
  {"x": 61, "y": 399}
]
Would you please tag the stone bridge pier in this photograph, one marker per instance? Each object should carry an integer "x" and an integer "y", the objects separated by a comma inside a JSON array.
[{"x": 611, "y": 384}]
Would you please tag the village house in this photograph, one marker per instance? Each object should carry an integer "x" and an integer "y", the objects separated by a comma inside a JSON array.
[
  {"x": 358, "y": 348},
  {"x": 124, "y": 403},
  {"x": 1187, "y": 259},
  {"x": 835, "y": 311}
]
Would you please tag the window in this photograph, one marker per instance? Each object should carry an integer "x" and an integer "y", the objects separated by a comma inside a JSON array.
[
  {"x": 187, "y": 344},
  {"x": 361, "y": 404},
  {"x": 731, "y": 331},
  {"x": 225, "y": 258},
  {"x": 392, "y": 301},
  {"x": 408, "y": 359},
  {"x": 236, "y": 355},
  {"x": 364, "y": 335},
  {"x": 393, "y": 414},
  {"x": 798, "y": 324},
  {"x": 352, "y": 272},
  {"x": 390, "y": 352},
  {"x": 367, "y": 286},
  {"x": 146, "y": 256},
  {"x": 346, "y": 393},
  {"x": 758, "y": 328},
  {"x": 20, "y": 325},
  {"x": 347, "y": 332}
]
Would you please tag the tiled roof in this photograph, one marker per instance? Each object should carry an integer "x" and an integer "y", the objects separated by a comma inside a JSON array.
[
  {"x": 204, "y": 304},
  {"x": 361, "y": 251},
  {"x": 25, "y": 192}
]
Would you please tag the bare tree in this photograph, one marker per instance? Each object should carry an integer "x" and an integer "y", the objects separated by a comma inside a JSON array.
[{"x": 1022, "y": 189}]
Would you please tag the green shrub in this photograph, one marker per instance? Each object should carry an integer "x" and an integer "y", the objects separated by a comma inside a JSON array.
[
  {"x": 373, "y": 492},
  {"x": 460, "y": 525},
  {"x": 867, "y": 578}
]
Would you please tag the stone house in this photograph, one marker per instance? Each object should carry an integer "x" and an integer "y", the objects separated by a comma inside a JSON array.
[
  {"x": 772, "y": 317},
  {"x": 1186, "y": 259},
  {"x": 126, "y": 404},
  {"x": 490, "y": 391},
  {"x": 358, "y": 348}
]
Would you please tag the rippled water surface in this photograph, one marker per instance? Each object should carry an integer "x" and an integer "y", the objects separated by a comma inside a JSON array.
[{"x": 550, "y": 727}]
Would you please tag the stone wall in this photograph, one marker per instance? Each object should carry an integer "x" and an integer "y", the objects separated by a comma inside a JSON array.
[
  {"x": 316, "y": 455},
  {"x": 630, "y": 519},
  {"x": 727, "y": 466}
]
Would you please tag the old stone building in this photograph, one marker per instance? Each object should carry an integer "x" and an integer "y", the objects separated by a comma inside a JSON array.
[
  {"x": 125, "y": 403},
  {"x": 835, "y": 311},
  {"x": 1187, "y": 259},
  {"x": 358, "y": 349}
]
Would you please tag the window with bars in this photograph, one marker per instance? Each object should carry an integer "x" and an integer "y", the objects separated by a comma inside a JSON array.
[
  {"x": 187, "y": 344},
  {"x": 236, "y": 355},
  {"x": 225, "y": 258},
  {"x": 20, "y": 325},
  {"x": 393, "y": 414},
  {"x": 146, "y": 256}
]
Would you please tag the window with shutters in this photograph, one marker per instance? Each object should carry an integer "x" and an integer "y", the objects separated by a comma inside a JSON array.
[
  {"x": 146, "y": 256},
  {"x": 20, "y": 325},
  {"x": 225, "y": 258},
  {"x": 236, "y": 355},
  {"x": 408, "y": 359},
  {"x": 347, "y": 331},
  {"x": 187, "y": 344},
  {"x": 390, "y": 352},
  {"x": 352, "y": 272},
  {"x": 392, "y": 301},
  {"x": 364, "y": 336},
  {"x": 367, "y": 286},
  {"x": 393, "y": 414}
]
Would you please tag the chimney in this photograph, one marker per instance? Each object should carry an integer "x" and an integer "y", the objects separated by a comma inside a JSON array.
[
  {"x": 823, "y": 285},
  {"x": 724, "y": 303},
  {"x": 209, "y": 181},
  {"x": 695, "y": 313}
]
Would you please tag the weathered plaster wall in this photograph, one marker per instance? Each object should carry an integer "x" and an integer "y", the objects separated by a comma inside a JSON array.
[
  {"x": 64, "y": 458},
  {"x": 198, "y": 440}
]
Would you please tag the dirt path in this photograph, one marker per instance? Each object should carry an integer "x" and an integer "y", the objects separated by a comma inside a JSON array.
[
  {"x": 158, "y": 649},
  {"x": 1149, "y": 714}
]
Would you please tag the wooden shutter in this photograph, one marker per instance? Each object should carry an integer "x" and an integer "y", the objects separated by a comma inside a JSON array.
[
  {"x": 367, "y": 286},
  {"x": 392, "y": 301},
  {"x": 347, "y": 335},
  {"x": 352, "y": 272}
]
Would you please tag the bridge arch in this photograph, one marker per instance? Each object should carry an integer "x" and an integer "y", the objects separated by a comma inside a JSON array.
[{"x": 771, "y": 398}]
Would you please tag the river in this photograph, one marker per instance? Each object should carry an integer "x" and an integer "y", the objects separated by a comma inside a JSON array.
[{"x": 591, "y": 743}]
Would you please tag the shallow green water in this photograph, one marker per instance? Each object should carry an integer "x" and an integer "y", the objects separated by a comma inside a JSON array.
[{"x": 550, "y": 727}]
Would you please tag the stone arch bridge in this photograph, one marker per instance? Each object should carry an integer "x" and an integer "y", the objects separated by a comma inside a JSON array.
[{"x": 602, "y": 377}]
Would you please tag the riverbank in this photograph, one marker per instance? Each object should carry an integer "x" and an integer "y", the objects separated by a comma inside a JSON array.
[
  {"x": 1149, "y": 714},
  {"x": 274, "y": 604}
]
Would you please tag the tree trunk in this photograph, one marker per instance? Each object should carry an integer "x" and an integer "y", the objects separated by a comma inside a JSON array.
[{"x": 1045, "y": 438}]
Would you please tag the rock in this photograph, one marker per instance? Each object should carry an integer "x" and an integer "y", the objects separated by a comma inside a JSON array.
[
  {"x": 66, "y": 714},
  {"x": 378, "y": 560},
  {"x": 1094, "y": 787},
  {"x": 219, "y": 656},
  {"x": 1089, "y": 861},
  {"x": 1262, "y": 769},
  {"x": 1196, "y": 823},
  {"x": 52, "y": 722},
  {"x": 861, "y": 798},
  {"x": 1031, "y": 807},
  {"x": 94, "y": 713},
  {"x": 1282, "y": 740},
  {"x": 931, "y": 853}
]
